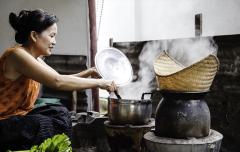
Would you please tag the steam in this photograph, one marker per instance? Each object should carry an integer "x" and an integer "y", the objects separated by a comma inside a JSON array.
[
  {"x": 189, "y": 51},
  {"x": 146, "y": 74},
  {"x": 184, "y": 51}
]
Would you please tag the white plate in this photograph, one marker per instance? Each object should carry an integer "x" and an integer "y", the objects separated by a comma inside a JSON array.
[{"x": 112, "y": 64}]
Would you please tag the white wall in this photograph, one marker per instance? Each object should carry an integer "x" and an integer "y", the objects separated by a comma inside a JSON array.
[
  {"x": 139, "y": 20},
  {"x": 160, "y": 19},
  {"x": 117, "y": 21},
  {"x": 73, "y": 30}
]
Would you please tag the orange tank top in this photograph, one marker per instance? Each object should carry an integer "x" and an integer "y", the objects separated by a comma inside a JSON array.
[{"x": 16, "y": 97}]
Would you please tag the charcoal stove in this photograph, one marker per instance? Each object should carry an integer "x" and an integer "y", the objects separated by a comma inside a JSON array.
[
  {"x": 88, "y": 132},
  {"x": 127, "y": 138}
]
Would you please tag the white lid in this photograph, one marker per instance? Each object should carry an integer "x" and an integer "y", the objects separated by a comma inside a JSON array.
[{"x": 112, "y": 64}]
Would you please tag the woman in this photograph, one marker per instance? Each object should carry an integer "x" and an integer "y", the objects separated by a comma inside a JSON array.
[{"x": 21, "y": 72}]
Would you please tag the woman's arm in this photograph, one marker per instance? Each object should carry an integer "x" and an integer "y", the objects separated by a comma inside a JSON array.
[
  {"x": 27, "y": 65},
  {"x": 86, "y": 73},
  {"x": 45, "y": 64}
]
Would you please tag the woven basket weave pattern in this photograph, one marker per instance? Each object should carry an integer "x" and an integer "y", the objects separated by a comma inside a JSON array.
[{"x": 195, "y": 78}]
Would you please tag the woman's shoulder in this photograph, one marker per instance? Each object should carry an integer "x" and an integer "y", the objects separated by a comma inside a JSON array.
[
  {"x": 16, "y": 48},
  {"x": 7, "y": 52},
  {"x": 16, "y": 52},
  {"x": 13, "y": 50},
  {"x": 15, "y": 56}
]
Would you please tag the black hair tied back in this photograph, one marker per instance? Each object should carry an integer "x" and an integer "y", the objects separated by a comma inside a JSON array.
[
  {"x": 27, "y": 21},
  {"x": 13, "y": 20},
  {"x": 19, "y": 25}
]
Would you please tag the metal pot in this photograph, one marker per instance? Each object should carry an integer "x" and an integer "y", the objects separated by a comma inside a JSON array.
[
  {"x": 124, "y": 111},
  {"x": 182, "y": 115}
]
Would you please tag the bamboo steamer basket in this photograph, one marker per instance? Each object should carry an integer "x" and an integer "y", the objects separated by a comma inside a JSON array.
[{"x": 173, "y": 76}]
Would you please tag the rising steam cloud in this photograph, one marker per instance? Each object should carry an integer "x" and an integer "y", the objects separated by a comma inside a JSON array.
[{"x": 185, "y": 51}]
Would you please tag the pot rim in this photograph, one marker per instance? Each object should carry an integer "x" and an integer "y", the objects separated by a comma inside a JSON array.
[
  {"x": 129, "y": 100},
  {"x": 181, "y": 92},
  {"x": 183, "y": 95}
]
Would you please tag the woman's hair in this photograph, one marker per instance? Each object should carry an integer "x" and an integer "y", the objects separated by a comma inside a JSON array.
[{"x": 27, "y": 21}]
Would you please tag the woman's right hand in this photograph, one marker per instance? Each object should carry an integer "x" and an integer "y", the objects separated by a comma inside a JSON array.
[{"x": 108, "y": 85}]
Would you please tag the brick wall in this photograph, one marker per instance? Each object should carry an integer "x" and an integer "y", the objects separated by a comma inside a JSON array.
[{"x": 224, "y": 98}]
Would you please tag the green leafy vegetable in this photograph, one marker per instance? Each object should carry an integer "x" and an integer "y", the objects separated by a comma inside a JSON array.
[{"x": 58, "y": 143}]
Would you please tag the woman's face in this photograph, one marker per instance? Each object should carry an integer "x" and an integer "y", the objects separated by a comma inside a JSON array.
[{"x": 46, "y": 40}]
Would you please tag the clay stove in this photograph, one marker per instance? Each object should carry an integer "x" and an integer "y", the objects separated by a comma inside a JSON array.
[{"x": 127, "y": 138}]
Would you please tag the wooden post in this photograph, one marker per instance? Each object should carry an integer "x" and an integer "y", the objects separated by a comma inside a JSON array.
[
  {"x": 111, "y": 42},
  {"x": 198, "y": 25},
  {"x": 93, "y": 48}
]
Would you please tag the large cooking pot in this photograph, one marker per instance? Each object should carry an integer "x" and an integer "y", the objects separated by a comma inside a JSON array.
[
  {"x": 125, "y": 111},
  {"x": 182, "y": 115}
]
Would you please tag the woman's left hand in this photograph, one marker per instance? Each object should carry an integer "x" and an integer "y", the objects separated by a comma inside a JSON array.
[{"x": 93, "y": 72}]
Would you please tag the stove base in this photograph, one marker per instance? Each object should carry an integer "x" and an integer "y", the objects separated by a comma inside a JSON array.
[
  {"x": 126, "y": 138},
  {"x": 161, "y": 144}
]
